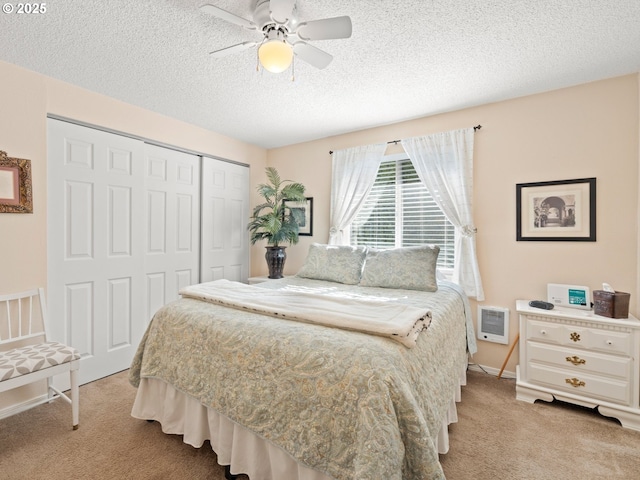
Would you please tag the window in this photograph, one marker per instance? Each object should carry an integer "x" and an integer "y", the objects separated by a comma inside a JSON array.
[{"x": 400, "y": 212}]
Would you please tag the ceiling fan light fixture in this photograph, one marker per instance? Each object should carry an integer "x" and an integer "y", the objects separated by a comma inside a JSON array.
[
  {"x": 275, "y": 55},
  {"x": 283, "y": 34}
]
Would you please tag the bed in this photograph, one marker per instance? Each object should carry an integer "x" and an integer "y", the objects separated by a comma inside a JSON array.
[{"x": 289, "y": 398}]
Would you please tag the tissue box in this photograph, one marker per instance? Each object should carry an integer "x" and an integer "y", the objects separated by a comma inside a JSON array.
[{"x": 611, "y": 304}]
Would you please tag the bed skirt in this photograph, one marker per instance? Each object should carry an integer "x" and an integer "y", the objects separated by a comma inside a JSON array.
[{"x": 241, "y": 449}]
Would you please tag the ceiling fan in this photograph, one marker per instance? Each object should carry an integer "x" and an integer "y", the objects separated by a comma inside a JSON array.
[{"x": 283, "y": 34}]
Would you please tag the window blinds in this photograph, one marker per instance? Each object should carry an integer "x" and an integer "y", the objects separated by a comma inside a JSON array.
[{"x": 400, "y": 212}]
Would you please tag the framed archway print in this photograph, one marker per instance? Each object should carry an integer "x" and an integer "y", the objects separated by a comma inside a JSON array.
[{"x": 559, "y": 210}]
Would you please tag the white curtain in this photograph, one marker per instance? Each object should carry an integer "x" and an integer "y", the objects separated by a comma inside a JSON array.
[
  {"x": 444, "y": 163},
  {"x": 353, "y": 173}
]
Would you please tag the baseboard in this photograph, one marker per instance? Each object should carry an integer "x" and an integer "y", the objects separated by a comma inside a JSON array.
[
  {"x": 490, "y": 370},
  {"x": 21, "y": 407}
]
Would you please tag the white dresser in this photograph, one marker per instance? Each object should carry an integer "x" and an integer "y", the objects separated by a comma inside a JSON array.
[{"x": 582, "y": 358}]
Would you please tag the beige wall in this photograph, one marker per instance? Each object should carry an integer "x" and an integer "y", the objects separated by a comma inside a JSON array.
[
  {"x": 589, "y": 130},
  {"x": 25, "y": 100}
]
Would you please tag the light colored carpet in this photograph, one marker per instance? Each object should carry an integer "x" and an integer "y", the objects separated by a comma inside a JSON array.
[
  {"x": 499, "y": 437},
  {"x": 496, "y": 438}
]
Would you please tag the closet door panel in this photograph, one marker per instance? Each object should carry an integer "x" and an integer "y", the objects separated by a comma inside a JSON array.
[
  {"x": 95, "y": 196},
  {"x": 225, "y": 214},
  {"x": 172, "y": 221},
  {"x": 123, "y": 237}
]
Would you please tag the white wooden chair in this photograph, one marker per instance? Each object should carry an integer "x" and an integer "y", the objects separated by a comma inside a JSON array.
[{"x": 27, "y": 356}]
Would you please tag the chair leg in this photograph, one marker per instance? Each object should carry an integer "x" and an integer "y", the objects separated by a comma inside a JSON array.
[
  {"x": 75, "y": 399},
  {"x": 50, "y": 391}
]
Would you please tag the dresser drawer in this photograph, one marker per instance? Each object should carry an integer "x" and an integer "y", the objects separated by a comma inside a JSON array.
[
  {"x": 592, "y": 386},
  {"x": 579, "y": 361},
  {"x": 600, "y": 340},
  {"x": 607, "y": 341},
  {"x": 546, "y": 332}
]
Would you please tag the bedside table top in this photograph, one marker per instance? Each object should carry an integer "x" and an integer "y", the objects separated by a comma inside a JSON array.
[{"x": 522, "y": 306}]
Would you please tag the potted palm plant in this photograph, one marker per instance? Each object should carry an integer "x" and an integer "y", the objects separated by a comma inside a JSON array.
[{"x": 274, "y": 221}]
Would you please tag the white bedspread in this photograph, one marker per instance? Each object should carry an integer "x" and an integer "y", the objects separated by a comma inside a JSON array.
[{"x": 374, "y": 315}]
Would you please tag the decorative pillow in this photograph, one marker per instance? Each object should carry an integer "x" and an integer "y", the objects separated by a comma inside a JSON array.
[
  {"x": 335, "y": 263},
  {"x": 410, "y": 268}
]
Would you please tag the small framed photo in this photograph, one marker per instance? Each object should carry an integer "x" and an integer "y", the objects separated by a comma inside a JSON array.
[
  {"x": 305, "y": 214},
  {"x": 15, "y": 185},
  {"x": 560, "y": 210}
]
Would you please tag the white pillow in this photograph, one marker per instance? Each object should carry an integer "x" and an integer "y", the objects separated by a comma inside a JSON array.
[
  {"x": 335, "y": 263},
  {"x": 409, "y": 268}
]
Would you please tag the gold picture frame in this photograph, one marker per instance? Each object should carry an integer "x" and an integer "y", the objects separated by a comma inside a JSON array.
[{"x": 15, "y": 185}]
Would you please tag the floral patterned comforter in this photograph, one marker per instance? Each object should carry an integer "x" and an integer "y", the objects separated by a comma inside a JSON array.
[{"x": 351, "y": 405}]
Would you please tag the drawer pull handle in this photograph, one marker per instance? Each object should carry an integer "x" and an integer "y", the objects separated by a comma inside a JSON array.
[
  {"x": 543, "y": 332},
  {"x": 609, "y": 342},
  {"x": 576, "y": 360},
  {"x": 575, "y": 336},
  {"x": 574, "y": 382}
]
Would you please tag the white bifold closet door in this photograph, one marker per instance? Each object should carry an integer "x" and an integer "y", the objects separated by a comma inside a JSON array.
[
  {"x": 123, "y": 237},
  {"x": 172, "y": 225},
  {"x": 225, "y": 215}
]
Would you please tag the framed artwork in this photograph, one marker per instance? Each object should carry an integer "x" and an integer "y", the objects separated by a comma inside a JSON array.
[
  {"x": 15, "y": 185},
  {"x": 305, "y": 214},
  {"x": 560, "y": 210}
]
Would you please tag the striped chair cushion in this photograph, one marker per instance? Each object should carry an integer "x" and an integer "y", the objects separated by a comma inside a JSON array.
[{"x": 32, "y": 358}]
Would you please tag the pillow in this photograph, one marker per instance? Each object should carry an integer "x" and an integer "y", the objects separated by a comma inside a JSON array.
[
  {"x": 335, "y": 263},
  {"x": 409, "y": 268}
]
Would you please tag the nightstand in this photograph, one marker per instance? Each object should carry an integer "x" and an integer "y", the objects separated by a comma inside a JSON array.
[{"x": 578, "y": 357}]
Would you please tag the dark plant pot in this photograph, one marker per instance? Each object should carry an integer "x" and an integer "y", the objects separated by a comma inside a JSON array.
[{"x": 276, "y": 257}]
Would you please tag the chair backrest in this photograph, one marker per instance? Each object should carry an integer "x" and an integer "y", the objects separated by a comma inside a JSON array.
[{"x": 22, "y": 316}]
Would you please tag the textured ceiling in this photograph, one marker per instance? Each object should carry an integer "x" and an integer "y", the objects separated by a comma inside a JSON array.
[{"x": 405, "y": 59}]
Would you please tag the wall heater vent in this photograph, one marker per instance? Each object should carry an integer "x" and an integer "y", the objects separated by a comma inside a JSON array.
[{"x": 493, "y": 324}]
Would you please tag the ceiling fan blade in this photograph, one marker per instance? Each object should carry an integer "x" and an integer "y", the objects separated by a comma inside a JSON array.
[
  {"x": 281, "y": 10},
  {"x": 240, "y": 47},
  {"x": 325, "y": 29},
  {"x": 312, "y": 55},
  {"x": 229, "y": 17}
]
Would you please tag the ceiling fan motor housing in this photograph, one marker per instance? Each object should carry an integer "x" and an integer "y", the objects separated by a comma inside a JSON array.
[{"x": 262, "y": 18}]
